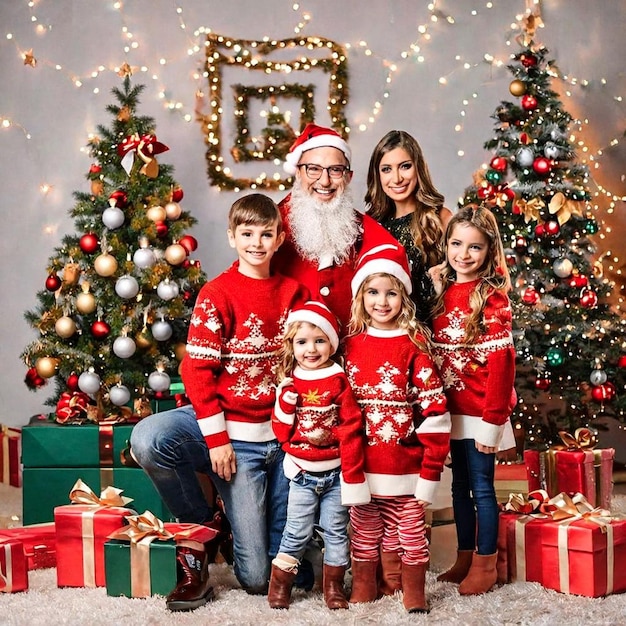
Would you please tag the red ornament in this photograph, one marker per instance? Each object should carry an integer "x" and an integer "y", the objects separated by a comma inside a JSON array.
[
  {"x": 588, "y": 299},
  {"x": 542, "y": 383},
  {"x": 508, "y": 193},
  {"x": 600, "y": 393},
  {"x": 177, "y": 194},
  {"x": 521, "y": 244},
  {"x": 499, "y": 164},
  {"x": 119, "y": 199},
  {"x": 100, "y": 329},
  {"x": 89, "y": 243},
  {"x": 528, "y": 60},
  {"x": 161, "y": 229},
  {"x": 530, "y": 296},
  {"x": 524, "y": 139},
  {"x": 540, "y": 230},
  {"x": 33, "y": 380},
  {"x": 53, "y": 282},
  {"x": 621, "y": 362},
  {"x": 159, "y": 395},
  {"x": 542, "y": 166},
  {"x": 484, "y": 192},
  {"x": 189, "y": 243},
  {"x": 95, "y": 169},
  {"x": 72, "y": 382},
  {"x": 552, "y": 228},
  {"x": 578, "y": 281},
  {"x": 529, "y": 103}
]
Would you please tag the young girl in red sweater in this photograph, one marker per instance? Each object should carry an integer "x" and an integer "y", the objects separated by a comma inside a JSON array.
[
  {"x": 407, "y": 425},
  {"x": 318, "y": 422},
  {"x": 473, "y": 346}
]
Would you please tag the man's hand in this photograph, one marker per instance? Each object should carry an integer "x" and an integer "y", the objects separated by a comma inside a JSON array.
[{"x": 223, "y": 461}]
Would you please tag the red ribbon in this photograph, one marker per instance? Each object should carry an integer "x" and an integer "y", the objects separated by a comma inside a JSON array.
[{"x": 149, "y": 141}]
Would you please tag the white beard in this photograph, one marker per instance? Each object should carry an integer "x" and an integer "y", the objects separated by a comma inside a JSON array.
[{"x": 323, "y": 229}]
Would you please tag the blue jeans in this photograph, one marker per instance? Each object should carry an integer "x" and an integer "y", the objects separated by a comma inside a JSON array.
[
  {"x": 171, "y": 449},
  {"x": 474, "y": 497},
  {"x": 311, "y": 498}
]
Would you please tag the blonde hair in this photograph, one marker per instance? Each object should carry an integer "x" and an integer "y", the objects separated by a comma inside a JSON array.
[
  {"x": 286, "y": 358},
  {"x": 426, "y": 228},
  {"x": 494, "y": 275},
  {"x": 406, "y": 320}
]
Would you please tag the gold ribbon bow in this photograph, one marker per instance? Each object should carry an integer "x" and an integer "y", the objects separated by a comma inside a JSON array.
[
  {"x": 582, "y": 439},
  {"x": 530, "y": 209},
  {"x": 140, "y": 526},
  {"x": 564, "y": 208},
  {"x": 111, "y": 496},
  {"x": 537, "y": 503},
  {"x": 577, "y": 507}
]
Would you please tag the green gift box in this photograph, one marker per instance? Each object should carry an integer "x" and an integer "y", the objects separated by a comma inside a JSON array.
[
  {"x": 142, "y": 569},
  {"x": 48, "y": 444},
  {"x": 45, "y": 488}
]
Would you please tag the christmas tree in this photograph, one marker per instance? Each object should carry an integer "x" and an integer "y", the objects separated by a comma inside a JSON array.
[
  {"x": 571, "y": 345},
  {"x": 113, "y": 317}
]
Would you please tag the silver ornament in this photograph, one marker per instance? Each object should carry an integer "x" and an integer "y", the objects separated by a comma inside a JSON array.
[
  {"x": 113, "y": 217},
  {"x": 119, "y": 395},
  {"x": 127, "y": 287},
  {"x": 161, "y": 330},
  {"x": 124, "y": 347},
  {"x": 89, "y": 383},
  {"x": 551, "y": 151},
  {"x": 525, "y": 157},
  {"x": 159, "y": 381},
  {"x": 144, "y": 258},
  {"x": 562, "y": 268},
  {"x": 598, "y": 377},
  {"x": 167, "y": 290}
]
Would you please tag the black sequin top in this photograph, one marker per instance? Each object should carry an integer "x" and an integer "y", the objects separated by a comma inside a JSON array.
[{"x": 423, "y": 291}]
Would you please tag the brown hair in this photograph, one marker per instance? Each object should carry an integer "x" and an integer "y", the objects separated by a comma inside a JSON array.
[
  {"x": 360, "y": 319},
  {"x": 426, "y": 227},
  {"x": 494, "y": 275},
  {"x": 254, "y": 209}
]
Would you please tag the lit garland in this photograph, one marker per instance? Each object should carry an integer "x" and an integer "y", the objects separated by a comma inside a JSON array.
[{"x": 252, "y": 55}]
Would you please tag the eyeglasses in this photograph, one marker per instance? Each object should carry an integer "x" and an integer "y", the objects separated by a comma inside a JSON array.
[{"x": 315, "y": 171}]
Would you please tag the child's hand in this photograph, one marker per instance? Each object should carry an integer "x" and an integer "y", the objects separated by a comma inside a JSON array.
[
  {"x": 485, "y": 449},
  {"x": 288, "y": 395},
  {"x": 435, "y": 275}
]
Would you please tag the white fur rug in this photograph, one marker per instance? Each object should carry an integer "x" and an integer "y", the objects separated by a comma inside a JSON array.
[{"x": 520, "y": 603}]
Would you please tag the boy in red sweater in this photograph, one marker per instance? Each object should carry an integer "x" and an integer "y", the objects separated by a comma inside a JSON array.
[{"x": 232, "y": 348}]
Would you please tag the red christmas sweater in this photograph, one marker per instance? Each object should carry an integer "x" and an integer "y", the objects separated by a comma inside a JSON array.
[
  {"x": 328, "y": 282},
  {"x": 323, "y": 430},
  {"x": 407, "y": 424},
  {"x": 234, "y": 336},
  {"x": 478, "y": 377}
]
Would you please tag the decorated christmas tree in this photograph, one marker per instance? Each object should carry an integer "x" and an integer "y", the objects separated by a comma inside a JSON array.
[
  {"x": 571, "y": 345},
  {"x": 113, "y": 315}
]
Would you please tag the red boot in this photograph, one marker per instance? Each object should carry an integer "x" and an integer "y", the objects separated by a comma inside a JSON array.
[
  {"x": 391, "y": 577},
  {"x": 334, "y": 594},
  {"x": 414, "y": 588},
  {"x": 460, "y": 568},
  {"x": 482, "y": 575},
  {"x": 364, "y": 583},
  {"x": 281, "y": 582},
  {"x": 193, "y": 589}
]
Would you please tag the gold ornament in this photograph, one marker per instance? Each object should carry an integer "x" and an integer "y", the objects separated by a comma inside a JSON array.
[
  {"x": 65, "y": 327},
  {"x": 156, "y": 213},
  {"x": 46, "y": 366},
  {"x": 517, "y": 88},
  {"x": 124, "y": 114},
  {"x": 143, "y": 339},
  {"x": 173, "y": 210},
  {"x": 85, "y": 301},
  {"x": 29, "y": 58},
  {"x": 97, "y": 187},
  {"x": 175, "y": 254},
  {"x": 105, "y": 264},
  {"x": 125, "y": 70}
]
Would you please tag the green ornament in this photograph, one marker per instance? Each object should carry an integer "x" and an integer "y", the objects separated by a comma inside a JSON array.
[
  {"x": 493, "y": 177},
  {"x": 591, "y": 227},
  {"x": 555, "y": 357}
]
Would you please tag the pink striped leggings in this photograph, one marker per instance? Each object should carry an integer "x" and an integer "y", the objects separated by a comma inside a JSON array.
[{"x": 398, "y": 524}]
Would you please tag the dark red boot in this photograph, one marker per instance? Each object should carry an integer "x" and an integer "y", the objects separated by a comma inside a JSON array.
[{"x": 193, "y": 589}]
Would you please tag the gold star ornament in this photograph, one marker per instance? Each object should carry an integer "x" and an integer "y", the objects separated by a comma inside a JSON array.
[{"x": 29, "y": 58}]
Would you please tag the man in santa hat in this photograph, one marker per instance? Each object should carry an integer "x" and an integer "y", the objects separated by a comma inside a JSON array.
[{"x": 324, "y": 232}]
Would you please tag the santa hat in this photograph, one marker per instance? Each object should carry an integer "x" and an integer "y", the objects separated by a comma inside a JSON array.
[
  {"x": 386, "y": 258},
  {"x": 314, "y": 137},
  {"x": 319, "y": 315}
]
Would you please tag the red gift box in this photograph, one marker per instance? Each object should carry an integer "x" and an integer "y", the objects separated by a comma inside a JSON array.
[
  {"x": 589, "y": 472},
  {"x": 39, "y": 542},
  {"x": 519, "y": 558},
  {"x": 13, "y": 569},
  {"x": 82, "y": 529},
  {"x": 10, "y": 456}
]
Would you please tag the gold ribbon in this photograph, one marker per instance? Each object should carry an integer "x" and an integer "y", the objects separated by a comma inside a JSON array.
[
  {"x": 564, "y": 208},
  {"x": 140, "y": 579},
  {"x": 530, "y": 209},
  {"x": 111, "y": 496},
  {"x": 582, "y": 439},
  {"x": 574, "y": 508},
  {"x": 140, "y": 526},
  {"x": 536, "y": 503}
]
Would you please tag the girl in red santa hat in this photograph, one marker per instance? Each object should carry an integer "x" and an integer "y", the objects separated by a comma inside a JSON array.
[
  {"x": 319, "y": 423},
  {"x": 473, "y": 347},
  {"x": 407, "y": 424}
]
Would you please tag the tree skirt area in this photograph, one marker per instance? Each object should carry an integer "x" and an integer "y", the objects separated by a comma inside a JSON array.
[{"x": 520, "y": 603}]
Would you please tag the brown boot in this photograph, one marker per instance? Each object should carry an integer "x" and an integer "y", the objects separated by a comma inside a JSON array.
[
  {"x": 391, "y": 576},
  {"x": 482, "y": 575},
  {"x": 364, "y": 583},
  {"x": 281, "y": 582},
  {"x": 414, "y": 588},
  {"x": 193, "y": 589},
  {"x": 459, "y": 570},
  {"x": 334, "y": 594}
]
